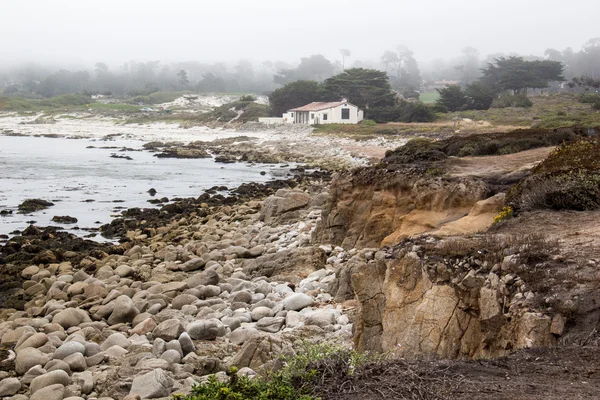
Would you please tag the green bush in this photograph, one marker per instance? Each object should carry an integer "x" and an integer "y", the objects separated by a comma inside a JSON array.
[
  {"x": 506, "y": 100},
  {"x": 368, "y": 122},
  {"x": 589, "y": 98},
  {"x": 596, "y": 105},
  {"x": 569, "y": 179},
  {"x": 299, "y": 378},
  {"x": 247, "y": 98}
]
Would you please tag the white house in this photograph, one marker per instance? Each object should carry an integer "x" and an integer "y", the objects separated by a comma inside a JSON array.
[{"x": 339, "y": 112}]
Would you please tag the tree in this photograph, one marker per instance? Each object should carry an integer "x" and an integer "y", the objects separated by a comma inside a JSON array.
[
  {"x": 210, "y": 83},
  {"x": 183, "y": 78},
  {"x": 345, "y": 53},
  {"x": 365, "y": 88},
  {"x": 315, "y": 68},
  {"x": 469, "y": 67},
  {"x": 514, "y": 73},
  {"x": 294, "y": 94},
  {"x": 452, "y": 97},
  {"x": 479, "y": 96},
  {"x": 390, "y": 59}
]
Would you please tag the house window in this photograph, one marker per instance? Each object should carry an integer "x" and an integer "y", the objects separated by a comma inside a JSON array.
[
  {"x": 325, "y": 117},
  {"x": 292, "y": 115},
  {"x": 312, "y": 116},
  {"x": 345, "y": 113}
]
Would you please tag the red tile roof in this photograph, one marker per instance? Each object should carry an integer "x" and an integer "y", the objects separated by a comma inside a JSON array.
[{"x": 319, "y": 105}]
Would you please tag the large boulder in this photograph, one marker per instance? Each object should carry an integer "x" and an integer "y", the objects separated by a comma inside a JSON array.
[
  {"x": 283, "y": 204},
  {"x": 51, "y": 378},
  {"x": 124, "y": 311},
  {"x": 168, "y": 330},
  {"x": 297, "y": 302},
  {"x": 152, "y": 385},
  {"x": 29, "y": 357},
  {"x": 291, "y": 264},
  {"x": 52, "y": 392},
  {"x": 208, "y": 329},
  {"x": 9, "y": 387},
  {"x": 71, "y": 317}
]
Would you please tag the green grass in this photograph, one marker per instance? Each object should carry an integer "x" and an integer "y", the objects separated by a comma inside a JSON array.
[
  {"x": 429, "y": 97},
  {"x": 548, "y": 111},
  {"x": 115, "y": 107}
]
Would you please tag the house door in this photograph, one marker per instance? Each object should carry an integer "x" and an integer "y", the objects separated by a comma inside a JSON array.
[{"x": 317, "y": 121}]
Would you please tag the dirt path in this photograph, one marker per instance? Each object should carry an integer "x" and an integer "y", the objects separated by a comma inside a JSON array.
[{"x": 497, "y": 166}]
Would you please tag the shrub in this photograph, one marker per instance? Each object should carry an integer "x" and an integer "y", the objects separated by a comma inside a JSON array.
[
  {"x": 506, "y": 100},
  {"x": 368, "y": 122},
  {"x": 300, "y": 377},
  {"x": 247, "y": 98},
  {"x": 596, "y": 105},
  {"x": 505, "y": 214},
  {"x": 569, "y": 179},
  {"x": 589, "y": 98}
]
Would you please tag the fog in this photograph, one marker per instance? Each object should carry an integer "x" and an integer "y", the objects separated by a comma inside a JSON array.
[{"x": 75, "y": 32}]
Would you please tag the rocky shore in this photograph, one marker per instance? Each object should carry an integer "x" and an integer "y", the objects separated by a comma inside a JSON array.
[
  {"x": 182, "y": 297},
  {"x": 396, "y": 258}
]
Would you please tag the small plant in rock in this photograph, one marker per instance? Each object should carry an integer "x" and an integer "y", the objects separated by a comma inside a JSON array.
[
  {"x": 505, "y": 214},
  {"x": 300, "y": 377}
]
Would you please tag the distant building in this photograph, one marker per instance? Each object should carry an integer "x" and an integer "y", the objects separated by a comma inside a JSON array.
[{"x": 339, "y": 112}]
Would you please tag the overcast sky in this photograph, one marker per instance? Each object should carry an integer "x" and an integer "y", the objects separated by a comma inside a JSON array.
[{"x": 114, "y": 31}]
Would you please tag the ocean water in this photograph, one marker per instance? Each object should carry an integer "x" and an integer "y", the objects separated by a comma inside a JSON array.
[{"x": 86, "y": 183}]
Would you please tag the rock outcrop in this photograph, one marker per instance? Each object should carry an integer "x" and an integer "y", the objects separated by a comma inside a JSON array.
[
  {"x": 374, "y": 207},
  {"x": 413, "y": 304}
]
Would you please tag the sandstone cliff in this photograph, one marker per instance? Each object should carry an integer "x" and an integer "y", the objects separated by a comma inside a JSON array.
[
  {"x": 375, "y": 207},
  {"x": 412, "y": 303}
]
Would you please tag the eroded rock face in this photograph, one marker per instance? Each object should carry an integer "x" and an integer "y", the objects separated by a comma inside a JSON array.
[
  {"x": 375, "y": 207},
  {"x": 411, "y": 308}
]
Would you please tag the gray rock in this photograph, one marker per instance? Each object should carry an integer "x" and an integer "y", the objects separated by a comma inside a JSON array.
[
  {"x": 175, "y": 345},
  {"x": 187, "y": 345},
  {"x": 297, "y": 301},
  {"x": 76, "y": 362},
  {"x": 54, "y": 365},
  {"x": 270, "y": 324},
  {"x": 206, "y": 329},
  {"x": 70, "y": 317},
  {"x": 123, "y": 270},
  {"x": 168, "y": 330},
  {"x": 261, "y": 312},
  {"x": 116, "y": 339},
  {"x": 152, "y": 385},
  {"x": 192, "y": 265},
  {"x": 208, "y": 291},
  {"x": 321, "y": 319},
  {"x": 28, "y": 358},
  {"x": 69, "y": 348},
  {"x": 240, "y": 336},
  {"x": 232, "y": 322},
  {"x": 183, "y": 300},
  {"x": 114, "y": 352},
  {"x": 171, "y": 356},
  {"x": 158, "y": 347},
  {"x": 124, "y": 311},
  {"x": 33, "y": 373},
  {"x": 293, "y": 319},
  {"x": 85, "y": 381},
  {"x": 242, "y": 296},
  {"x": 9, "y": 386},
  {"x": 51, "y": 378},
  {"x": 52, "y": 392},
  {"x": 36, "y": 340}
]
